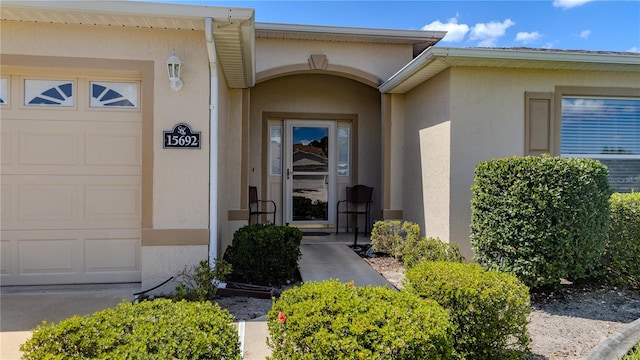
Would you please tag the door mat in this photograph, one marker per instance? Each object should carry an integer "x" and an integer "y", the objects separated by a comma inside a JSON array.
[{"x": 315, "y": 233}]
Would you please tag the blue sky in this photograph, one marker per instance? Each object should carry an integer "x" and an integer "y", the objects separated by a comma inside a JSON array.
[{"x": 559, "y": 24}]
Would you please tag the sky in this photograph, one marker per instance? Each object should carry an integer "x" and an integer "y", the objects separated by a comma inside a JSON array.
[{"x": 602, "y": 25}]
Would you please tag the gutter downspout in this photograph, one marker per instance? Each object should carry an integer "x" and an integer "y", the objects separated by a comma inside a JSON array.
[{"x": 213, "y": 142}]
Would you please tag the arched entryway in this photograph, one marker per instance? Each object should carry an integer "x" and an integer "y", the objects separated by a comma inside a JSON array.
[{"x": 310, "y": 136}]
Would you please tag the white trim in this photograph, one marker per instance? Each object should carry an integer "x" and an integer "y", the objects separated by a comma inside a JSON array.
[
  {"x": 498, "y": 57},
  {"x": 408, "y": 36},
  {"x": 136, "y": 8},
  {"x": 213, "y": 142}
]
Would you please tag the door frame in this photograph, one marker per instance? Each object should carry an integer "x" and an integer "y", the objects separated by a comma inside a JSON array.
[{"x": 288, "y": 173}]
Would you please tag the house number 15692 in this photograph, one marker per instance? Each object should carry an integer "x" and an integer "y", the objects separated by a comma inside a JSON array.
[
  {"x": 181, "y": 137},
  {"x": 182, "y": 141}
]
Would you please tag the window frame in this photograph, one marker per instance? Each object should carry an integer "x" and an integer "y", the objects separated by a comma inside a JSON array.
[{"x": 562, "y": 92}]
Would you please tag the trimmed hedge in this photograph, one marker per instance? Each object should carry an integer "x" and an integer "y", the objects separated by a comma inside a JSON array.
[
  {"x": 403, "y": 242},
  {"x": 488, "y": 309},
  {"x": 159, "y": 329},
  {"x": 622, "y": 256},
  {"x": 264, "y": 254},
  {"x": 540, "y": 218},
  {"x": 334, "y": 321}
]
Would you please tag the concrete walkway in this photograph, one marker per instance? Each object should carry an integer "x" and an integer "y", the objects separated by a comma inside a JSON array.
[{"x": 23, "y": 308}]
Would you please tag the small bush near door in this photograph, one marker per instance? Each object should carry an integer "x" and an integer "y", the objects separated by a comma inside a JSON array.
[
  {"x": 540, "y": 218},
  {"x": 622, "y": 257},
  {"x": 403, "y": 241},
  {"x": 335, "y": 321},
  {"x": 488, "y": 309},
  {"x": 264, "y": 254},
  {"x": 159, "y": 329}
]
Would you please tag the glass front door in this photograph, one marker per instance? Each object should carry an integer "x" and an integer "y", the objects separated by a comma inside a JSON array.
[{"x": 309, "y": 172}]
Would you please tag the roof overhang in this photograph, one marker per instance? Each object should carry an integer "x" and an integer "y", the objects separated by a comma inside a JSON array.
[
  {"x": 437, "y": 59},
  {"x": 419, "y": 39},
  {"x": 233, "y": 28}
]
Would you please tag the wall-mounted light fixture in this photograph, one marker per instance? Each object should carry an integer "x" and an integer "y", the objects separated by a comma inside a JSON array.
[{"x": 174, "y": 67}]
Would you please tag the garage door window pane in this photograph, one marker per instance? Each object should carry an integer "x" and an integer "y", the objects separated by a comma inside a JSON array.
[
  {"x": 114, "y": 95},
  {"x": 4, "y": 91},
  {"x": 49, "y": 93}
]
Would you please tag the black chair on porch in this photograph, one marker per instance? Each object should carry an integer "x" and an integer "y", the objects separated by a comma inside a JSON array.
[
  {"x": 259, "y": 207},
  {"x": 357, "y": 202}
]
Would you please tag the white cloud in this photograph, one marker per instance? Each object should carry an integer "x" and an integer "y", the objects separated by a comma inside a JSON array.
[
  {"x": 568, "y": 4},
  {"x": 489, "y": 33},
  {"x": 455, "y": 32},
  {"x": 584, "y": 34},
  {"x": 528, "y": 37},
  {"x": 579, "y": 106},
  {"x": 634, "y": 49}
]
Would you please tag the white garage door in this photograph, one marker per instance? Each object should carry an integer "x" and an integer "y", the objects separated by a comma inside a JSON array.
[{"x": 70, "y": 179}]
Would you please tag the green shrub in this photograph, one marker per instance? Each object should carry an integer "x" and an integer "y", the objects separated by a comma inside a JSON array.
[
  {"x": 488, "y": 308},
  {"x": 391, "y": 236},
  {"x": 159, "y": 329},
  {"x": 430, "y": 249},
  {"x": 622, "y": 256},
  {"x": 403, "y": 242},
  {"x": 633, "y": 354},
  {"x": 200, "y": 282},
  {"x": 540, "y": 218},
  {"x": 333, "y": 321},
  {"x": 264, "y": 254}
]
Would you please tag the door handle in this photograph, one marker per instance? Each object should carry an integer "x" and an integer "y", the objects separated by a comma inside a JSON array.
[{"x": 287, "y": 173}]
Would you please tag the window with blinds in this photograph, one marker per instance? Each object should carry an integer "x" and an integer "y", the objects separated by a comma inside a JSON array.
[{"x": 606, "y": 129}]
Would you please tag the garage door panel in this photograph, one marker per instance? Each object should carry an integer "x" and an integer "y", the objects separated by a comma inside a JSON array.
[
  {"x": 52, "y": 202},
  {"x": 6, "y": 205},
  {"x": 113, "y": 149},
  {"x": 49, "y": 148},
  {"x": 109, "y": 254},
  {"x": 6, "y": 148},
  {"x": 46, "y": 256},
  {"x": 6, "y": 257},
  {"x": 110, "y": 202}
]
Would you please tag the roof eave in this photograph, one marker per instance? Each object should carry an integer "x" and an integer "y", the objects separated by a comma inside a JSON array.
[
  {"x": 418, "y": 39},
  {"x": 436, "y": 59}
]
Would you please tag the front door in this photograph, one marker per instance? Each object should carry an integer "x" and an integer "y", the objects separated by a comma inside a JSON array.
[{"x": 309, "y": 172}]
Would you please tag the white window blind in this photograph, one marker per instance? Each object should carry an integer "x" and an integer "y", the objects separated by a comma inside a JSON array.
[{"x": 606, "y": 129}]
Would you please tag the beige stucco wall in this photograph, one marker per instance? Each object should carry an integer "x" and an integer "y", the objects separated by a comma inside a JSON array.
[
  {"x": 323, "y": 96},
  {"x": 426, "y": 185},
  {"x": 465, "y": 116},
  {"x": 180, "y": 177},
  {"x": 378, "y": 60}
]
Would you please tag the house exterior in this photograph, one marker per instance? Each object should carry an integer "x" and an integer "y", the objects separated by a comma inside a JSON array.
[{"x": 110, "y": 175}]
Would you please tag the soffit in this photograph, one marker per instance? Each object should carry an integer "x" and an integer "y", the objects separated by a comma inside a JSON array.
[
  {"x": 436, "y": 60},
  {"x": 233, "y": 27},
  {"x": 420, "y": 40}
]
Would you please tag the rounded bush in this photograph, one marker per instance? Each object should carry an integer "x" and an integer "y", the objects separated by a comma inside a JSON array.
[
  {"x": 430, "y": 249},
  {"x": 391, "y": 236},
  {"x": 488, "y": 308},
  {"x": 622, "y": 256},
  {"x": 540, "y": 218},
  {"x": 264, "y": 254},
  {"x": 159, "y": 329},
  {"x": 332, "y": 320}
]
